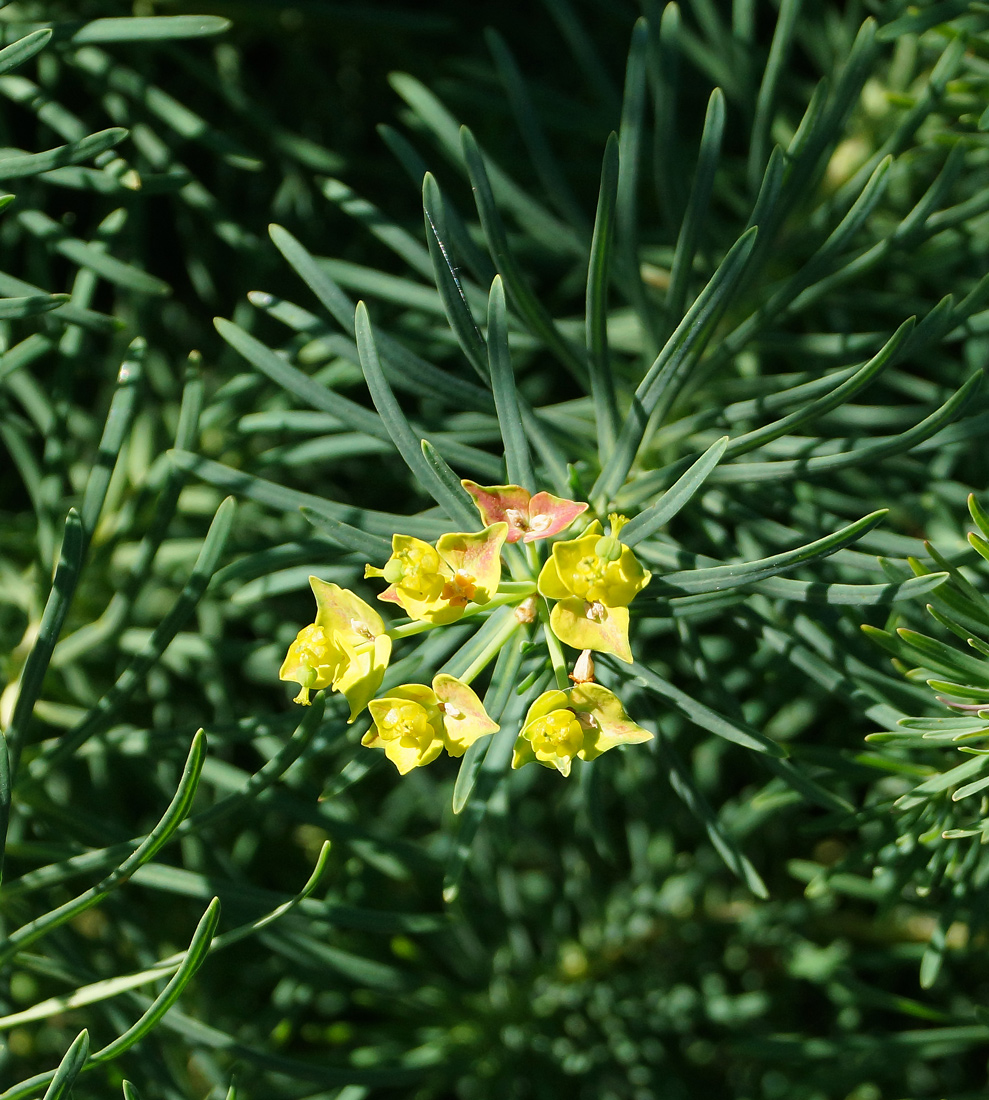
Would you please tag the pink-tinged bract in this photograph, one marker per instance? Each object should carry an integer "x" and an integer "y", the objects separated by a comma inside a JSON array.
[{"x": 528, "y": 517}]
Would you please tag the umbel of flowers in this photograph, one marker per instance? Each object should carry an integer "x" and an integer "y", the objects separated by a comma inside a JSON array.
[{"x": 580, "y": 592}]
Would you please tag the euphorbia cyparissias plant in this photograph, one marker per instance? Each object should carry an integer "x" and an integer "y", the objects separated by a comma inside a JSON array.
[{"x": 590, "y": 581}]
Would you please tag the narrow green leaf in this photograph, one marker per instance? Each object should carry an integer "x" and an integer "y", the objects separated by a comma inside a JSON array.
[
  {"x": 944, "y": 781},
  {"x": 86, "y": 255},
  {"x": 93, "y": 634},
  {"x": 300, "y": 385},
  {"x": 486, "y": 781},
  {"x": 18, "y": 166},
  {"x": 497, "y": 699},
  {"x": 5, "y": 792},
  {"x": 23, "y": 49},
  {"x": 13, "y": 308},
  {"x": 838, "y": 396},
  {"x": 585, "y": 51},
  {"x": 399, "y": 429},
  {"x": 631, "y": 139},
  {"x": 718, "y": 578},
  {"x": 553, "y": 179},
  {"x": 291, "y": 500},
  {"x": 765, "y": 110},
  {"x": 978, "y": 514},
  {"x": 695, "y": 216},
  {"x": 918, "y": 20},
  {"x": 960, "y": 691},
  {"x": 194, "y": 958},
  {"x": 474, "y": 258},
  {"x": 664, "y": 33},
  {"x": 681, "y": 782},
  {"x": 532, "y": 311},
  {"x": 455, "y": 304},
  {"x": 827, "y": 115},
  {"x": 548, "y": 230},
  {"x": 864, "y": 455},
  {"x": 445, "y": 474},
  {"x": 808, "y": 789},
  {"x": 831, "y": 254},
  {"x": 343, "y": 534},
  {"x": 116, "y": 430},
  {"x": 596, "y": 302},
  {"x": 679, "y": 493},
  {"x": 555, "y": 183},
  {"x": 968, "y": 789},
  {"x": 371, "y": 218},
  {"x": 69, "y": 1068},
  {"x": 138, "y": 29},
  {"x": 177, "y": 810},
  {"x": 402, "y": 364},
  {"x": 843, "y": 595},
  {"x": 113, "y": 987},
  {"x": 945, "y": 659},
  {"x": 703, "y": 716},
  {"x": 681, "y": 351},
  {"x": 70, "y": 314},
  {"x": 926, "y": 103},
  {"x": 52, "y": 619},
  {"x": 517, "y": 458},
  {"x": 133, "y": 676},
  {"x": 934, "y": 954}
]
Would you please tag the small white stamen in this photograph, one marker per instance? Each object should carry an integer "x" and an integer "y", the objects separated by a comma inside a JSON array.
[
  {"x": 358, "y": 626},
  {"x": 595, "y": 611}
]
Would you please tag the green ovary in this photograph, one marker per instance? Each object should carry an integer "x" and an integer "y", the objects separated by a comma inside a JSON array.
[{"x": 556, "y": 734}]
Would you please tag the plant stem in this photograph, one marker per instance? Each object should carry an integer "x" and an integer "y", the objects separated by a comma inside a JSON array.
[{"x": 492, "y": 649}]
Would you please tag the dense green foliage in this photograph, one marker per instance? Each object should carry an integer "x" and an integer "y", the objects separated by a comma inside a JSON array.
[{"x": 755, "y": 317}]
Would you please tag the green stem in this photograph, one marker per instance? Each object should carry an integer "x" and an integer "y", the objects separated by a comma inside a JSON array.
[
  {"x": 558, "y": 661},
  {"x": 492, "y": 649},
  {"x": 510, "y": 592}
]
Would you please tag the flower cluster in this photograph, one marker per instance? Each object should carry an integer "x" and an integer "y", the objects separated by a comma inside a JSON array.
[{"x": 580, "y": 592}]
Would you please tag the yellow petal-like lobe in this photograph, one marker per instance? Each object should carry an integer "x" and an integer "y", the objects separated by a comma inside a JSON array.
[
  {"x": 604, "y": 721},
  {"x": 477, "y": 555},
  {"x": 312, "y": 661},
  {"x": 544, "y": 704},
  {"x": 582, "y": 625},
  {"x": 594, "y": 578},
  {"x": 583, "y": 722},
  {"x": 464, "y": 717},
  {"x": 408, "y": 726},
  {"x": 364, "y": 673},
  {"x": 415, "y": 575},
  {"x": 343, "y": 611},
  {"x": 551, "y": 734},
  {"x": 549, "y": 583}
]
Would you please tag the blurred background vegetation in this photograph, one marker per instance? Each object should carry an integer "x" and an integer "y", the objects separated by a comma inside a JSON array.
[{"x": 704, "y": 919}]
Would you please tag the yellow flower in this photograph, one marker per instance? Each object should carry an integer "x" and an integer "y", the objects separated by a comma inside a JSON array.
[
  {"x": 594, "y": 578},
  {"x": 583, "y": 722},
  {"x": 414, "y": 723},
  {"x": 345, "y": 649},
  {"x": 435, "y": 583}
]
